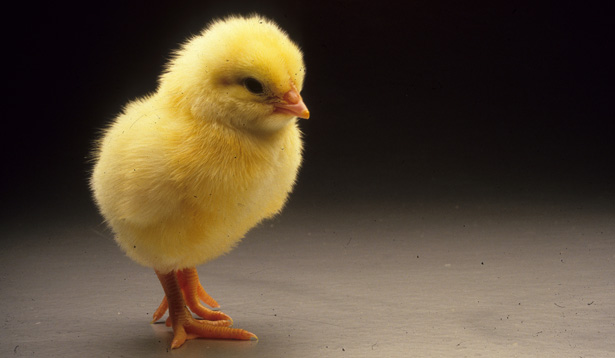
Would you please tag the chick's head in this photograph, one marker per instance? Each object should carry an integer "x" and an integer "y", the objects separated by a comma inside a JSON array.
[{"x": 241, "y": 72}]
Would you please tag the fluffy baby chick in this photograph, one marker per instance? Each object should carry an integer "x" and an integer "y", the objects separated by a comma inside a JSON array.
[{"x": 182, "y": 174}]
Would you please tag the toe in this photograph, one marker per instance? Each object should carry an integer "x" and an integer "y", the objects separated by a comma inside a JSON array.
[
  {"x": 206, "y": 313},
  {"x": 179, "y": 336},
  {"x": 210, "y": 331},
  {"x": 161, "y": 310}
]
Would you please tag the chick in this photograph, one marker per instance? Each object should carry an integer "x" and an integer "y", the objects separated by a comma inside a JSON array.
[{"x": 182, "y": 174}]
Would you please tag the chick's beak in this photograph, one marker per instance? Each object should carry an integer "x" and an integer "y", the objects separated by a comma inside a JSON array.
[{"x": 292, "y": 104}]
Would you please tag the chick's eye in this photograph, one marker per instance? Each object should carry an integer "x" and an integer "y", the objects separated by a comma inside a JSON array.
[{"x": 253, "y": 85}]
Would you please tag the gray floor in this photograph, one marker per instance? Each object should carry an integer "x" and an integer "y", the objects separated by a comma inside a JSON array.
[{"x": 446, "y": 278}]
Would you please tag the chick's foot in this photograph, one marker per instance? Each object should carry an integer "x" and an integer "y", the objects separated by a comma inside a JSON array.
[
  {"x": 184, "y": 325},
  {"x": 193, "y": 294}
]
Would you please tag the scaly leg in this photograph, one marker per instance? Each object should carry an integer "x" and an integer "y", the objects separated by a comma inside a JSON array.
[
  {"x": 193, "y": 293},
  {"x": 184, "y": 325}
]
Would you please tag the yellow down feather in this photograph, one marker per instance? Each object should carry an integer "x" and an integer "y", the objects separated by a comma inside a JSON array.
[{"x": 182, "y": 174}]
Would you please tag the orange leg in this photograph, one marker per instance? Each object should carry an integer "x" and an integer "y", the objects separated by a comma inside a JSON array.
[
  {"x": 193, "y": 293},
  {"x": 184, "y": 325}
]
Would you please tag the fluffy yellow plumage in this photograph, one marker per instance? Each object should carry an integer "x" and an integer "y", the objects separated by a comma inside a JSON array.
[{"x": 182, "y": 174}]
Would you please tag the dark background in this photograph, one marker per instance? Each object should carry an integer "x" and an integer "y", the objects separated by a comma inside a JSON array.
[{"x": 420, "y": 101}]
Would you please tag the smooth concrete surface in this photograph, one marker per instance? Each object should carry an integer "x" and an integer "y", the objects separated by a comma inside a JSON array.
[{"x": 449, "y": 278}]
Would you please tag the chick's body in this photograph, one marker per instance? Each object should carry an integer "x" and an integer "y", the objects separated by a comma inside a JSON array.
[
  {"x": 178, "y": 194},
  {"x": 182, "y": 175}
]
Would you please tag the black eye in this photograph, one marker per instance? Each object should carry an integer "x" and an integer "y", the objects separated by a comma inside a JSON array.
[{"x": 253, "y": 85}]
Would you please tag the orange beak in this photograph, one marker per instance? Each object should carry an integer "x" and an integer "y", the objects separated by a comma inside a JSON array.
[{"x": 292, "y": 104}]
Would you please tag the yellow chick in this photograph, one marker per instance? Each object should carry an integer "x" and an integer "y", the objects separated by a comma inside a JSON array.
[{"x": 182, "y": 174}]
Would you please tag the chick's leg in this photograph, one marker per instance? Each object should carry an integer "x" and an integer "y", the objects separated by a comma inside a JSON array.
[
  {"x": 193, "y": 293},
  {"x": 184, "y": 325}
]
